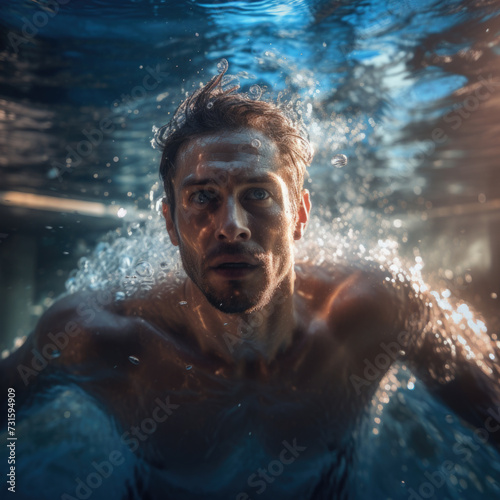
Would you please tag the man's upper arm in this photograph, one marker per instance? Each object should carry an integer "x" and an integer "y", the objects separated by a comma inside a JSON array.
[
  {"x": 453, "y": 354},
  {"x": 53, "y": 343},
  {"x": 62, "y": 347},
  {"x": 441, "y": 342},
  {"x": 382, "y": 319}
]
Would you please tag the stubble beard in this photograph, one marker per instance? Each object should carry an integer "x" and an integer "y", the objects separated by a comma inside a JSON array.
[
  {"x": 233, "y": 298},
  {"x": 236, "y": 300}
]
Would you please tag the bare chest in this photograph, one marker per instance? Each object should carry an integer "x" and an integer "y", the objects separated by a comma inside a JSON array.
[
  {"x": 202, "y": 419},
  {"x": 189, "y": 418},
  {"x": 246, "y": 438}
]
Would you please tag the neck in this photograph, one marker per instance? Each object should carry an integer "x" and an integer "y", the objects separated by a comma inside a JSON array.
[{"x": 244, "y": 338}]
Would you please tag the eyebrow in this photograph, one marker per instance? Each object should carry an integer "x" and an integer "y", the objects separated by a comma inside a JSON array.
[{"x": 188, "y": 181}]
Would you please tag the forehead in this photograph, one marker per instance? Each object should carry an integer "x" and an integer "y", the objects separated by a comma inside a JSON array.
[{"x": 238, "y": 154}]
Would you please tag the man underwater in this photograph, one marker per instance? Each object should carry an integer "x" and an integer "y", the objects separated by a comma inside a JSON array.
[{"x": 255, "y": 359}]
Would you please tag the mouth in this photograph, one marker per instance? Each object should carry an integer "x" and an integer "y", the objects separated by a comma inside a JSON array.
[
  {"x": 234, "y": 265},
  {"x": 234, "y": 269}
]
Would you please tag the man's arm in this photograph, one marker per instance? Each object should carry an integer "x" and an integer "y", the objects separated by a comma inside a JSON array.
[
  {"x": 64, "y": 348},
  {"x": 382, "y": 318},
  {"x": 43, "y": 358},
  {"x": 453, "y": 354}
]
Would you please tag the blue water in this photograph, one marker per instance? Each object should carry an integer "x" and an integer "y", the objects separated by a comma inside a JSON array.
[{"x": 375, "y": 79}]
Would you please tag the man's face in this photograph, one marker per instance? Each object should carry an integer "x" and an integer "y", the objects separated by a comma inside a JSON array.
[{"x": 233, "y": 218}]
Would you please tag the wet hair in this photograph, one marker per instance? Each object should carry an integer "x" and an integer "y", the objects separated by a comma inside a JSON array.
[{"x": 218, "y": 107}]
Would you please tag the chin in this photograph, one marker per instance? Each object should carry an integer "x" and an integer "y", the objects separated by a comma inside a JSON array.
[
  {"x": 232, "y": 305},
  {"x": 237, "y": 301}
]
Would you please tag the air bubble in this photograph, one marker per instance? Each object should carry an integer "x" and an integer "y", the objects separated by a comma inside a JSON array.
[
  {"x": 210, "y": 105},
  {"x": 255, "y": 92},
  {"x": 339, "y": 161},
  {"x": 144, "y": 269},
  {"x": 134, "y": 360},
  {"x": 125, "y": 262},
  {"x": 53, "y": 173},
  {"x": 222, "y": 66},
  {"x": 256, "y": 143},
  {"x": 183, "y": 303},
  {"x": 229, "y": 81}
]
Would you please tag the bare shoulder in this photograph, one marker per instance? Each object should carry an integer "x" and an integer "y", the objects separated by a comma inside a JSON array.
[
  {"x": 71, "y": 331},
  {"x": 79, "y": 312},
  {"x": 342, "y": 283},
  {"x": 356, "y": 302},
  {"x": 88, "y": 338},
  {"x": 64, "y": 342},
  {"x": 96, "y": 323}
]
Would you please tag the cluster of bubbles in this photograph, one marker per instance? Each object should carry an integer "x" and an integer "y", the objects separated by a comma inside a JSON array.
[{"x": 130, "y": 262}]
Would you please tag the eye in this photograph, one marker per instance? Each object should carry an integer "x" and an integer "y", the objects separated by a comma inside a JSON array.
[
  {"x": 203, "y": 197},
  {"x": 258, "y": 194}
]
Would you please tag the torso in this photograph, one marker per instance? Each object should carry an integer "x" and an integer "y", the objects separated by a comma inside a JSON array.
[{"x": 222, "y": 429}]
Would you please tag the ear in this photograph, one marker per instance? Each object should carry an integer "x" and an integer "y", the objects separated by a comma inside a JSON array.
[
  {"x": 303, "y": 215},
  {"x": 170, "y": 223}
]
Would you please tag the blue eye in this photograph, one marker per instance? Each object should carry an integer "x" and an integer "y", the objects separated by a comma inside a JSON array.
[
  {"x": 259, "y": 194},
  {"x": 203, "y": 197}
]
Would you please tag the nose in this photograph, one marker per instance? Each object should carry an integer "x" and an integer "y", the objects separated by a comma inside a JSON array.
[{"x": 232, "y": 222}]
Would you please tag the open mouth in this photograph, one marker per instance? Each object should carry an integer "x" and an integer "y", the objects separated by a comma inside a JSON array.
[
  {"x": 234, "y": 270},
  {"x": 235, "y": 265}
]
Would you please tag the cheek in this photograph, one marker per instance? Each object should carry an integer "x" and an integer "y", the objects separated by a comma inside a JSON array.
[
  {"x": 190, "y": 236},
  {"x": 280, "y": 236},
  {"x": 274, "y": 223},
  {"x": 194, "y": 224}
]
